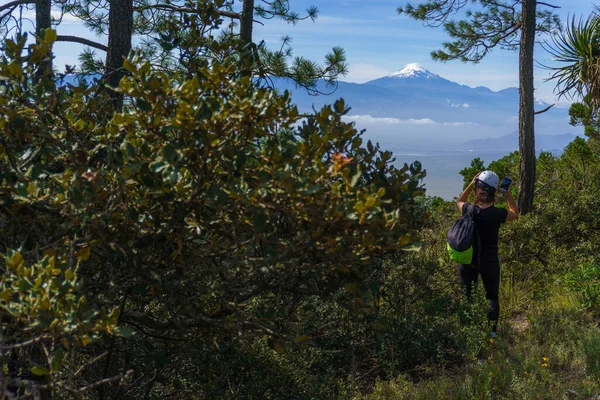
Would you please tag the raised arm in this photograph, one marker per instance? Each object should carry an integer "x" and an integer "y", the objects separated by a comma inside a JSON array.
[
  {"x": 464, "y": 196},
  {"x": 513, "y": 212}
]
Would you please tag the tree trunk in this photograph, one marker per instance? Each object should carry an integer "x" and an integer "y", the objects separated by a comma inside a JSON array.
[
  {"x": 43, "y": 22},
  {"x": 526, "y": 108},
  {"x": 246, "y": 25},
  {"x": 120, "y": 28}
]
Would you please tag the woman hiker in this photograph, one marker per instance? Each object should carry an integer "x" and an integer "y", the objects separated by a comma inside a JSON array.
[{"x": 488, "y": 219}]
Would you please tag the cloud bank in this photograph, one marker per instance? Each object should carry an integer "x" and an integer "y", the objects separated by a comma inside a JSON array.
[{"x": 368, "y": 119}]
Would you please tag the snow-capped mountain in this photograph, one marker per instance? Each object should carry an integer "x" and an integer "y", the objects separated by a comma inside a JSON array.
[
  {"x": 415, "y": 103},
  {"x": 414, "y": 70},
  {"x": 412, "y": 92}
]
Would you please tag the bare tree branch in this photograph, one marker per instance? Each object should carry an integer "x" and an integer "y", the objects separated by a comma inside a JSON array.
[
  {"x": 544, "y": 110},
  {"x": 548, "y": 5},
  {"x": 101, "y": 356},
  {"x": 24, "y": 344},
  {"x": 87, "y": 42},
  {"x": 228, "y": 14},
  {"x": 15, "y": 3},
  {"x": 104, "y": 381}
]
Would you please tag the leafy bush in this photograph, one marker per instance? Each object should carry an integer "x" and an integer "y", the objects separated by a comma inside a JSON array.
[
  {"x": 232, "y": 233},
  {"x": 45, "y": 314},
  {"x": 585, "y": 284}
]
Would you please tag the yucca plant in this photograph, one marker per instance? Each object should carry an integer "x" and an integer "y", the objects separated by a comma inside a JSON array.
[{"x": 577, "y": 49}]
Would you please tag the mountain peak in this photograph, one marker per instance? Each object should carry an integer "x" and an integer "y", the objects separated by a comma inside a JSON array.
[{"x": 414, "y": 70}]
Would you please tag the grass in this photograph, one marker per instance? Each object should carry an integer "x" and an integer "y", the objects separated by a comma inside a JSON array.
[{"x": 548, "y": 348}]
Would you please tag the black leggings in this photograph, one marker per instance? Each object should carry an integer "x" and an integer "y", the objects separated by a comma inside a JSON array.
[{"x": 490, "y": 275}]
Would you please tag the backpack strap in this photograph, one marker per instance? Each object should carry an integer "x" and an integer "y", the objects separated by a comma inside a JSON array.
[
  {"x": 477, "y": 249},
  {"x": 468, "y": 209}
]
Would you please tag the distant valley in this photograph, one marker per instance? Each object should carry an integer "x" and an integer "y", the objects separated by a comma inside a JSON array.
[{"x": 509, "y": 143}]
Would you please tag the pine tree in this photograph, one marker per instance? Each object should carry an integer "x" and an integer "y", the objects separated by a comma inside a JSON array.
[
  {"x": 179, "y": 35},
  {"x": 43, "y": 21},
  {"x": 496, "y": 23},
  {"x": 119, "y": 43}
]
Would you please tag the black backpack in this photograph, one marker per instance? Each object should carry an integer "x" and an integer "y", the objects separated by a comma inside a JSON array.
[{"x": 463, "y": 238}]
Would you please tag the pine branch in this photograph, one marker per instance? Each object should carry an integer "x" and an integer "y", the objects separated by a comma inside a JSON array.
[
  {"x": 173, "y": 8},
  {"x": 228, "y": 14},
  {"x": 76, "y": 39}
]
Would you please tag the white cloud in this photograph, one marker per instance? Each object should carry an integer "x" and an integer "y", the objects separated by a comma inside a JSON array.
[
  {"x": 459, "y": 123},
  {"x": 455, "y": 105},
  {"x": 66, "y": 18},
  {"x": 56, "y": 14},
  {"x": 391, "y": 121},
  {"x": 396, "y": 121}
]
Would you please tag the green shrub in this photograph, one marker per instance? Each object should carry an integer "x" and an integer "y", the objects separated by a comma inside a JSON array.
[
  {"x": 591, "y": 348},
  {"x": 234, "y": 233},
  {"x": 584, "y": 282}
]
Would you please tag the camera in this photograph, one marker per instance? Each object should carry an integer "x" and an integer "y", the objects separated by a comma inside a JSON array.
[{"x": 505, "y": 184}]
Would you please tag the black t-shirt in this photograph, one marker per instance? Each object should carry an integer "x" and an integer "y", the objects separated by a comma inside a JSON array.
[{"x": 488, "y": 221}]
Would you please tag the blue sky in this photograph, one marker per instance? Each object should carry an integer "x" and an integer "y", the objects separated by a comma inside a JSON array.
[{"x": 377, "y": 41}]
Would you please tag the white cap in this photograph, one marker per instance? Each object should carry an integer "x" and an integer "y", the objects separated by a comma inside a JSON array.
[{"x": 489, "y": 178}]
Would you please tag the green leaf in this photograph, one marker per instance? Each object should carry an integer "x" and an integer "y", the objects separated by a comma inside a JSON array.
[
  {"x": 40, "y": 371},
  {"x": 240, "y": 160},
  {"x": 158, "y": 166},
  {"x": 89, "y": 315},
  {"x": 50, "y": 36},
  {"x": 260, "y": 223},
  {"x": 76, "y": 192},
  {"x": 24, "y": 285},
  {"x": 340, "y": 106},
  {"x": 312, "y": 189},
  {"x": 222, "y": 196},
  {"x": 141, "y": 289},
  {"x": 169, "y": 152},
  {"x": 146, "y": 178},
  {"x": 35, "y": 171},
  {"x": 124, "y": 332},
  {"x": 413, "y": 247},
  {"x": 128, "y": 65},
  {"x": 144, "y": 105},
  {"x": 356, "y": 177},
  {"x": 21, "y": 189},
  {"x": 80, "y": 124},
  {"x": 130, "y": 149},
  {"x": 57, "y": 360}
]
